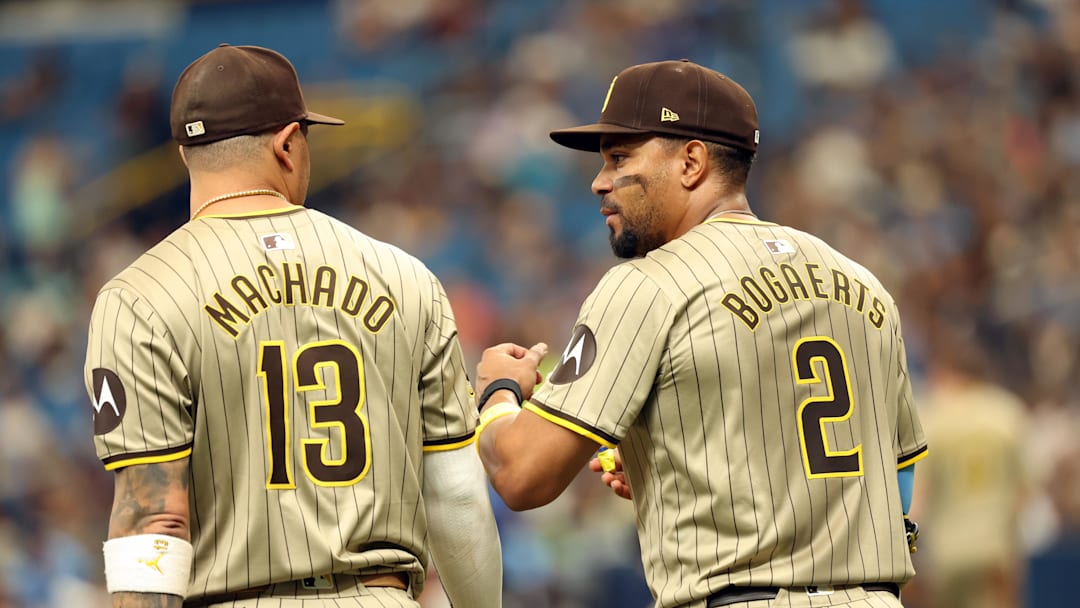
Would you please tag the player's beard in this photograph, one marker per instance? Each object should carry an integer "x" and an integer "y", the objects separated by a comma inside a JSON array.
[{"x": 640, "y": 232}]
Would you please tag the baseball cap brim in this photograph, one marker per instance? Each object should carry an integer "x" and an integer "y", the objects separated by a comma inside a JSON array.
[
  {"x": 322, "y": 119},
  {"x": 587, "y": 138}
]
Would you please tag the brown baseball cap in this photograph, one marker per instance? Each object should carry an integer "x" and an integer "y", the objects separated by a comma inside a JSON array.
[
  {"x": 237, "y": 90},
  {"x": 673, "y": 98}
]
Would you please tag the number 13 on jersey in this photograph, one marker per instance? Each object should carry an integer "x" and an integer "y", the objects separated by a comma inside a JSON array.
[
  {"x": 815, "y": 412},
  {"x": 339, "y": 418}
]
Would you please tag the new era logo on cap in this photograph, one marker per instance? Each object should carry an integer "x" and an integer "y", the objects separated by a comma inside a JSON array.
[
  {"x": 195, "y": 128},
  {"x": 667, "y": 115}
]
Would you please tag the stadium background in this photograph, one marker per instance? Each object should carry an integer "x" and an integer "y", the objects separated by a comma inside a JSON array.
[{"x": 936, "y": 142}]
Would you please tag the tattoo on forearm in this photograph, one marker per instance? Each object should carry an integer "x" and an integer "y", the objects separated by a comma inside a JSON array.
[{"x": 143, "y": 491}]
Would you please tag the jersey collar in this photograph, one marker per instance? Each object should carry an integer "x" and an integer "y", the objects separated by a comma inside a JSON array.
[{"x": 246, "y": 214}]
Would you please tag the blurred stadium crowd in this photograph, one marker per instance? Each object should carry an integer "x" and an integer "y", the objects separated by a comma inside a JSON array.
[{"x": 936, "y": 142}]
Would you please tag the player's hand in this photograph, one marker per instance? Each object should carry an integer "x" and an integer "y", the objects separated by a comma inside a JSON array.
[
  {"x": 911, "y": 531},
  {"x": 615, "y": 478},
  {"x": 513, "y": 361}
]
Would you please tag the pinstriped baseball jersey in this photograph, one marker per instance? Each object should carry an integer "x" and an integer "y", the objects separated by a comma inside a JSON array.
[
  {"x": 756, "y": 384},
  {"x": 303, "y": 367}
]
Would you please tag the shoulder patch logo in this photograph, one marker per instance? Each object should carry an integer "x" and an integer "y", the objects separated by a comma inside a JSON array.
[
  {"x": 110, "y": 400},
  {"x": 779, "y": 246},
  {"x": 578, "y": 358},
  {"x": 277, "y": 241}
]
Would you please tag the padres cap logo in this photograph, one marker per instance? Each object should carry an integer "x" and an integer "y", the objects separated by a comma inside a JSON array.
[
  {"x": 110, "y": 400},
  {"x": 607, "y": 97},
  {"x": 578, "y": 357}
]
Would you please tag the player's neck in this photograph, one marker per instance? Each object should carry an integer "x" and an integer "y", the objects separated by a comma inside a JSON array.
[
  {"x": 733, "y": 205},
  {"x": 232, "y": 196},
  {"x": 241, "y": 201}
]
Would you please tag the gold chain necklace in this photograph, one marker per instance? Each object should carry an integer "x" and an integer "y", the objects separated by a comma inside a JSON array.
[{"x": 241, "y": 194}]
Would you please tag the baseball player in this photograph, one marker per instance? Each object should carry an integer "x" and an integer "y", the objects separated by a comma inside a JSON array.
[
  {"x": 753, "y": 379},
  {"x": 283, "y": 398},
  {"x": 974, "y": 488}
]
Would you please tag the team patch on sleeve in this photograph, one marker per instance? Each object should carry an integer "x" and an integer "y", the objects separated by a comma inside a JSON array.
[
  {"x": 578, "y": 358},
  {"x": 110, "y": 400}
]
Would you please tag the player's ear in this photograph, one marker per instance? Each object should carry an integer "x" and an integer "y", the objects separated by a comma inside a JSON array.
[
  {"x": 183, "y": 156},
  {"x": 695, "y": 164},
  {"x": 282, "y": 144}
]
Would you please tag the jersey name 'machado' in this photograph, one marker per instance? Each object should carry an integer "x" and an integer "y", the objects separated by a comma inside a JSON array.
[
  {"x": 774, "y": 286},
  {"x": 291, "y": 284}
]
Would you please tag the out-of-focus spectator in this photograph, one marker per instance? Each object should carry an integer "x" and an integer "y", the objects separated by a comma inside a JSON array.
[
  {"x": 845, "y": 48},
  {"x": 48, "y": 514},
  {"x": 371, "y": 24},
  {"x": 142, "y": 116},
  {"x": 44, "y": 75},
  {"x": 971, "y": 493},
  {"x": 40, "y": 196}
]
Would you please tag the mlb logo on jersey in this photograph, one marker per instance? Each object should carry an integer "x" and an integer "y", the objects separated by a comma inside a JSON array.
[
  {"x": 277, "y": 241},
  {"x": 323, "y": 581},
  {"x": 778, "y": 246}
]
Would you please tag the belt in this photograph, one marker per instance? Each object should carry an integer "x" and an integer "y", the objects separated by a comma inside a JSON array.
[
  {"x": 734, "y": 595},
  {"x": 396, "y": 580}
]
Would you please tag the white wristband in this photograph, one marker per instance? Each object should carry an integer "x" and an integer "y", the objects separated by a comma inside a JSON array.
[{"x": 148, "y": 563}]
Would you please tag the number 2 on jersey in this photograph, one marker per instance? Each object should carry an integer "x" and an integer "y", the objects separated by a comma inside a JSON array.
[
  {"x": 340, "y": 414},
  {"x": 818, "y": 458}
]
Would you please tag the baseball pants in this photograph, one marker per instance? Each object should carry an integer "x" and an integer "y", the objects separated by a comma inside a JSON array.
[
  {"x": 851, "y": 597},
  {"x": 348, "y": 592}
]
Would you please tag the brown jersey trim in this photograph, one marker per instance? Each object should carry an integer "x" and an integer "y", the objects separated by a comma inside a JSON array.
[
  {"x": 248, "y": 214},
  {"x": 569, "y": 422},
  {"x": 166, "y": 455},
  {"x": 449, "y": 443},
  {"x": 912, "y": 458}
]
